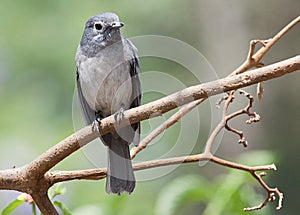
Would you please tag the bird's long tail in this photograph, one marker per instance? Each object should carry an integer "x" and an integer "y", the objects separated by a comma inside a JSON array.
[{"x": 120, "y": 177}]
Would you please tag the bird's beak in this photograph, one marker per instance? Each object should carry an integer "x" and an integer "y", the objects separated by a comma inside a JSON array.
[{"x": 117, "y": 25}]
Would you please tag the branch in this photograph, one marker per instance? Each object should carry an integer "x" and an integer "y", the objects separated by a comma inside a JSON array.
[
  {"x": 38, "y": 167},
  {"x": 271, "y": 192},
  {"x": 144, "y": 111},
  {"x": 97, "y": 174},
  {"x": 35, "y": 179},
  {"x": 169, "y": 122},
  {"x": 43, "y": 202},
  {"x": 32, "y": 176},
  {"x": 252, "y": 60},
  {"x": 254, "y": 116},
  {"x": 156, "y": 108}
]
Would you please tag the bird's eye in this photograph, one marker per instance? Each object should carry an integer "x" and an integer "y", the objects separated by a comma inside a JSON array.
[{"x": 98, "y": 26}]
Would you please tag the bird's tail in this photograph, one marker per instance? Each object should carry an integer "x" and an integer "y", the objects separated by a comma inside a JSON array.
[{"x": 120, "y": 177}]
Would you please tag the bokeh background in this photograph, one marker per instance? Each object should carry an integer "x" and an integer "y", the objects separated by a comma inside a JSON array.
[{"x": 38, "y": 41}]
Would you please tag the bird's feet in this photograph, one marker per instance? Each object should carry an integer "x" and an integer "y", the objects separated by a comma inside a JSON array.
[
  {"x": 96, "y": 122},
  {"x": 120, "y": 114}
]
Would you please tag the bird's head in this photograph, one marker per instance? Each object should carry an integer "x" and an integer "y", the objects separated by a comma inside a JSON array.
[{"x": 102, "y": 30}]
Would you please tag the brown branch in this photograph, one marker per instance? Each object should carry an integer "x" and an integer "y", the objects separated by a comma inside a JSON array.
[
  {"x": 169, "y": 122},
  {"x": 241, "y": 166},
  {"x": 226, "y": 118},
  {"x": 252, "y": 170},
  {"x": 57, "y": 153},
  {"x": 201, "y": 92},
  {"x": 32, "y": 176},
  {"x": 270, "y": 193},
  {"x": 35, "y": 179},
  {"x": 90, "y": 174},
  {"x": 43, "y": 202},
  {"x": 252, "y": 60},
  {"x": 97, "y": 174},
  {"x": 269, "y": 43},
  {"x": 208, "y": 146},
  {"x": 254, "y": 116},
  {"x": 37, "y": 168},
  {"x": 72, "y": 143}
]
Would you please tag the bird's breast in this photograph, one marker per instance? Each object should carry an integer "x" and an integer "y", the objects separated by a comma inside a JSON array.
[{"x": 106, "y": 83}]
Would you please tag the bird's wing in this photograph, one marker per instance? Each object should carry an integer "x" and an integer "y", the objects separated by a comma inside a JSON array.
[
  {"x": 88, "y": 113},
  {"x": 136, "y": 87}
]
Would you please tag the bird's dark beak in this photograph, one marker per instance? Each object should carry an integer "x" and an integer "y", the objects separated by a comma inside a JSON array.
[{"x": 117, "y": 25}]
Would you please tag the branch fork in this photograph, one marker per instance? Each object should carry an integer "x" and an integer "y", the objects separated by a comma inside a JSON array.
[{"x": 35, "y": 177}]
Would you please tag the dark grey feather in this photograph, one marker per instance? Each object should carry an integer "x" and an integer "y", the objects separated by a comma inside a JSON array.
[{"x": 136, "y": 89}]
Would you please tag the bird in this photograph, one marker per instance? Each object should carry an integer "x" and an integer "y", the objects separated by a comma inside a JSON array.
[{"x": 107, "y": 74}]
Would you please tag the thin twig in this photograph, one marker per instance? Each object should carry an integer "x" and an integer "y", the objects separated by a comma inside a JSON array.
[
  {"x": 208, "y": 146},
  {"x": 63, "y": 149},
  {"x": 261, "y": 52},
  {"x": 33, "y": 179},
  {"x": 271, "y": 192},
  {"x": 253, "y": 60},
  {"x": 23, "y": 177},
  {"x": 169, "y": 122},
  {"x": 254, "y": 117},
  {"x": 252, "y": 170},
  {"x": 226, "y": 118},
  {"x": 98, "y": 174}
]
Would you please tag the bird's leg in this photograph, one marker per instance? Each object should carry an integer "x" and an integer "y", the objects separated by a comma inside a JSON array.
[
  {"x": 120, "y": 114},
  {"x": 96, "y": 122}
]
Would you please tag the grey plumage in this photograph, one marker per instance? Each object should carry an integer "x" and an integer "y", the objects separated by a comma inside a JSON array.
[{"x": 107, "y": 83}]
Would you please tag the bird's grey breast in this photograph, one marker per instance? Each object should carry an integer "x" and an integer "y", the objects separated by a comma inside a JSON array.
[{"x": 105, "y": 79}]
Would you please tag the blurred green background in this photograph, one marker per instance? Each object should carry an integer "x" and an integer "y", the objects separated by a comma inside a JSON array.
[{"x": 38, "y": 41}]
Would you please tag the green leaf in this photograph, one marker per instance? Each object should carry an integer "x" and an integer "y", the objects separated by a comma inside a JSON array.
[
  {"x": 33, "y": 207},
  {"x": 12, "y": 206},
  {"x": 63, "y": 208},
  {"x": 57, "y": 190}
]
